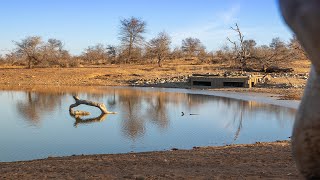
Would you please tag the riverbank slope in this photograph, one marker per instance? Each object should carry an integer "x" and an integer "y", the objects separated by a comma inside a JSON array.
[
  {"x": 260, "y": 160},
  {"x": 288, "y": 86}
]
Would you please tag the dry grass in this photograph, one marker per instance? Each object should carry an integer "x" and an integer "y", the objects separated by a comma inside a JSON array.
[
  {"x": 123, "y": 75},
  {"x": 302, "y": 66}
]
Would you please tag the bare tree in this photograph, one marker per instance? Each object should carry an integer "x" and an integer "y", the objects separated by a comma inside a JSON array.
[
  {"x": 55, "y": 44},
  {"x": 53, "y": 52},
  {"x": 241, "y": 49},
  {"x": 279, "y": 52},
  {"x": 225, "y": 54},
  {"x": 249, "y": 45},
  {"x": 14, "y": 58},
  {"x": 131, "y": 33},
  {"x": 95, "y": 54},
  {"x": 112, "y": 53},
  {"x": 274, "y": 55},
  {"x": 30, "y": 48},
  {"x": 2, "y": 61},
  {"x": 176, "y": 53},
  {"x": 277, "y": 43},
  {"x": 296, "y": 49},
  {"x": 191, "y": 46},
  {"x": 202, "y": 55},
  {"x": 160, "y": 47}
]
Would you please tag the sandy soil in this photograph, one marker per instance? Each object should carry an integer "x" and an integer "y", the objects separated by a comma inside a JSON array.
[
  {"x": 261, "y": 160},
  {"x": 124, "y": 75}
]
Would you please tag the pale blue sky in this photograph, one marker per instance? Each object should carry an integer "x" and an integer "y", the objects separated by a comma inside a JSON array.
[{"x": 82, "y": 23}]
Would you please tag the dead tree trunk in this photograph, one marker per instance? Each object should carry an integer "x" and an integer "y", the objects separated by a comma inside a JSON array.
[
  {"x": 241, "y": 52},
  {"x": 79, "y": 101}
]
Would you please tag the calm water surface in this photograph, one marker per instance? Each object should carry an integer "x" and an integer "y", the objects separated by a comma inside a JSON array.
[{"x": 37, "y": 124}]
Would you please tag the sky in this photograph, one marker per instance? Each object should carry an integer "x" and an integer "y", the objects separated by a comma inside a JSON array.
[{"x": 83, "y": 23}]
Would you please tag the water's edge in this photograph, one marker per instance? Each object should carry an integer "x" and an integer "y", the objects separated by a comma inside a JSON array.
[
  {"x": 271, "y": 99},
  {"x": 266, "y": 98}
]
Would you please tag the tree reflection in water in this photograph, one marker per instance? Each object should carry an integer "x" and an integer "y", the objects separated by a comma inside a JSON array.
[
  {"x": 240, "y": 110},
  {"x": 158, "y": 111},
  {"x": 133, "y": 121},
  {"x": 140, "y": 107},
  {"x": 137, "y": 108},
  {"x": 37, "y": 104}
]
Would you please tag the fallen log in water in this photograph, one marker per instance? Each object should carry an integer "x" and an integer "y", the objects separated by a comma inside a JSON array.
[{"x": 79, "y": 101}]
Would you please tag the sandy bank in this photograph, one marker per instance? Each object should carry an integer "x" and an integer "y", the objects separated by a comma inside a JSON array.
[{"x": 261, "y": 160}]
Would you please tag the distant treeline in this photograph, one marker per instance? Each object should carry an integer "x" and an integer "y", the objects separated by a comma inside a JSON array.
[{"x": 241, "y": 53}]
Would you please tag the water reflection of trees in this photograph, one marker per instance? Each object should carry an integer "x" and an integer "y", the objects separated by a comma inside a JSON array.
[
  {"x": 38, "y": 103},
  {"x": 137, "y": 108},
  {"x": 157, "y": 111},
  {"x": 133, "y": 122},
  {"x": 241, "y": 110}
]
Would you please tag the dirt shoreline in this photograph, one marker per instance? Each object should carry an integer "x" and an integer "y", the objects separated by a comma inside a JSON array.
[
  {"x": 261, "y": 160},
  {"x": 255, "y": 161},
  {"x": 127, "y": 75}
]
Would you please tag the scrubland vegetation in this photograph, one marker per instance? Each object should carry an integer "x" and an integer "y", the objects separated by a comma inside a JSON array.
[{"x": 238, "y": 54}]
